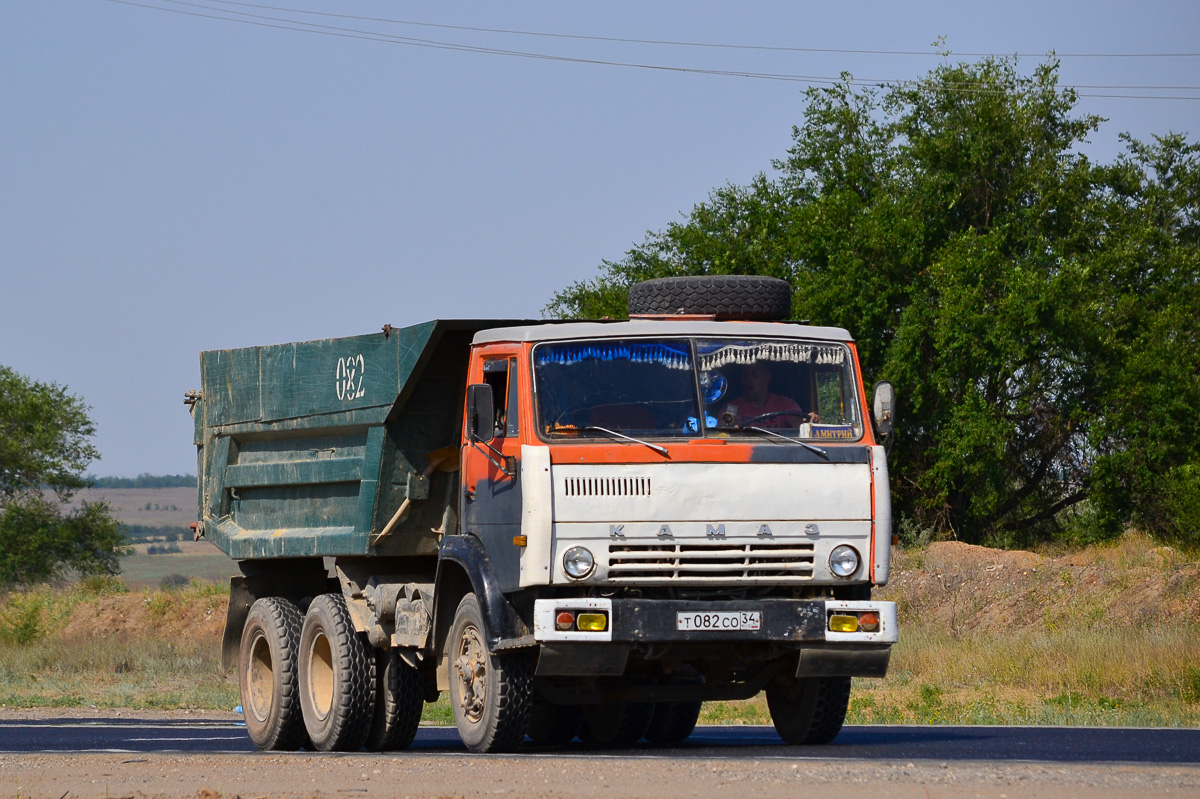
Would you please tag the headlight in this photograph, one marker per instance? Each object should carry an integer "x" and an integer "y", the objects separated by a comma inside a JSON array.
[
  {"x": 578, "y": 562},
  {"x": 843, "y": 561}
]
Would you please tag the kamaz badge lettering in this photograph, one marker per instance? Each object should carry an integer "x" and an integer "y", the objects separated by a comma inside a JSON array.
[
  {"x": 616, "y": 531},
  {"x": 665, "y": 531},
  {"x": 349, "y": 377},
  {"x": 715, "y": 532}
]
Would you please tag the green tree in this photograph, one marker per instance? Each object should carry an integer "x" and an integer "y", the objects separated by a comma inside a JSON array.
[
  {"x": 1036, "y": 311},
  {"x": 1146, "y": 289},
  {"x": 44, "y": 446}
]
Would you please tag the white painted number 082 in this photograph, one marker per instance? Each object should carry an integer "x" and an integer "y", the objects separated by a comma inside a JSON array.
[{"x": 349, "y": 377}]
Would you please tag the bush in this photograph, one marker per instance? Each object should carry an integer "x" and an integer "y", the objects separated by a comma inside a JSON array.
[
  {"x": 103, "y": 585},
  {"x": 172, "y": 582},
  {"x": 21, "y": 620}
]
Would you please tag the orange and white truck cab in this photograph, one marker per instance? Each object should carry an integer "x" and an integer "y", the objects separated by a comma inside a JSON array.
[{"x": 700, "y": 497}]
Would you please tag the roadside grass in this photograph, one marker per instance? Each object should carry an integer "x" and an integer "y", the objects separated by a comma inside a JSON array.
[
  {"x": 114, "y": 674},
  {"x": 42, "y": 666}
]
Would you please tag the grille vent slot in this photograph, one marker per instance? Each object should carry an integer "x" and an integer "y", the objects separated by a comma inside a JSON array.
[
  {"x": 606, "y": 487},
  {"x": 710, "y": 563}
]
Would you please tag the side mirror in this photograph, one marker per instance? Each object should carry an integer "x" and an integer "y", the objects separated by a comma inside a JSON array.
[
  {"x": 481, "y": 413},
  {"x": 884, "y": 407}
]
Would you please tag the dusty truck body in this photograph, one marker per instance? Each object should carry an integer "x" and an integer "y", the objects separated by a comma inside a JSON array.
[{"x": 581, "y": 528}]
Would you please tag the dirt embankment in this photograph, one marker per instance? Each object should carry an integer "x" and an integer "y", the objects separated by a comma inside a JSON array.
[
  {"x": 968, "y": 588},
  {"x": 163, "y": 614}
]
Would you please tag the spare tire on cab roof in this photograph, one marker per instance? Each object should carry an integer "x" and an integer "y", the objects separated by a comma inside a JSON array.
[{"x": 749, "y": 297}]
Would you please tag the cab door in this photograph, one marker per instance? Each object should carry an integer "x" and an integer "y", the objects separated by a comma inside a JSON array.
[{"x": 491, "y": 505}]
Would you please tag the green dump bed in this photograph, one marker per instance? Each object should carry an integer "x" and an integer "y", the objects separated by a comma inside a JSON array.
[{"x": 308, "y": 449}]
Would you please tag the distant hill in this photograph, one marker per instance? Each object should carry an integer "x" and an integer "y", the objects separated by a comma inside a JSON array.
[{"x": 145, "y": 481}]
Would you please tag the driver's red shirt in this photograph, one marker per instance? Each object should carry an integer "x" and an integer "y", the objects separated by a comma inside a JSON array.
[{"x": 746, "y": 410}]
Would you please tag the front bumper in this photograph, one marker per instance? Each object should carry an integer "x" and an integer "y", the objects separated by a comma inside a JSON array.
[
  {"x": 632, "y": 622},
  {"x": 655, "y": 621}
]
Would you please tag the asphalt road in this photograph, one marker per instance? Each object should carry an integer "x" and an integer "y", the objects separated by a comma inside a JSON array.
[{"x": 866, "y": 743}]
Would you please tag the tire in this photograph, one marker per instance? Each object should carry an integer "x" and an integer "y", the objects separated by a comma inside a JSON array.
[
  {"x": 616, "y": 723},
  {"x": 673, "y": 722},
  {"x": 491, "y": 694},
  {"x": 399, "y": 700},
  {"x": 267, "y": 675},
  {"x": 553, "y": 725},
  {"x": 337, "y": 677},
  {"x": 810, "y": 710},
  {"x": 725, "y": 296}
]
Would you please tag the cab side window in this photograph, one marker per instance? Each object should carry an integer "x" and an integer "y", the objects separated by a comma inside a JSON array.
[
  {"x": 495, "y": 374},
  {"x": 501, "y": 375}
]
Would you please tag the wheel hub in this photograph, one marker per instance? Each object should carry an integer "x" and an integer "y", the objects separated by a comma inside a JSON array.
[
  {"x": 471, "y": 668},
  {"x": 260, "y": 679}
]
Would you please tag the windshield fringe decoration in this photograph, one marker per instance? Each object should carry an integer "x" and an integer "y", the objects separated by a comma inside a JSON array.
[
  {"x": 655, "y": 353},
  {"x": 774, "y": 351}
]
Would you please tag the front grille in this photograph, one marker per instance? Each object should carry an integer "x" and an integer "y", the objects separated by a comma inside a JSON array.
[
  {"x": 710, "y": 562},
  {"x": 606, "y": 487}
]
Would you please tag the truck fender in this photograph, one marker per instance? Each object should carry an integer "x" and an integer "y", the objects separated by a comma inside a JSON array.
[{"x": 464, "y": 567}]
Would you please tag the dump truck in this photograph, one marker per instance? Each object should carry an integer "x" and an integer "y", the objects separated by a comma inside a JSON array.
[{"x": 575, "y": 528}]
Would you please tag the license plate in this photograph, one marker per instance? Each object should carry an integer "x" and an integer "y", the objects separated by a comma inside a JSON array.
[{"x": 720, "y": 620}]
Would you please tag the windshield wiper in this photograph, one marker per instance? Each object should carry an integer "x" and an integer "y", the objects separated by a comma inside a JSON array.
[
  {"x": 789, "y": 439},
  {"x": 660, "y": 450}
]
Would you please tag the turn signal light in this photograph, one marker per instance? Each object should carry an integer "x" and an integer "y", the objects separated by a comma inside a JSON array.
[
  {"x": 593, "y": 622},
  {"x": 843, "y": 624},
  {"x": 868, "y": 622},
  {"x": 565, "y": 621}
]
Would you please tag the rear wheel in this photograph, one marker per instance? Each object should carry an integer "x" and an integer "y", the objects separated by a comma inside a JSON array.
[
  {"x": 267, "y": 675},
  {"x": 337, "y": 677},
  {"x": 491, "y": 694},
  {"x": 810, "y": 710},
  {"x": 673, "y": 722},
  {"x": 617, "y": 723},
  {"x": 399, "y": 700}
]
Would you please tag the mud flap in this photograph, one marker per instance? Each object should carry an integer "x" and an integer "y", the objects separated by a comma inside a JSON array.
[
  {"x": 832, "y": 660},
  {"x": 581, "y": 660}
]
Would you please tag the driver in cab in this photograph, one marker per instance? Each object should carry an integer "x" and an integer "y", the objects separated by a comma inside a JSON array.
[{"x": 757, "y": 400}]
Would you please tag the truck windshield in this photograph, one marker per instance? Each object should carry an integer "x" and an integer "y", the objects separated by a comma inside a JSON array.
[
  {"x": 656, "y": 387},
  {"x": 639, "y": 386}
]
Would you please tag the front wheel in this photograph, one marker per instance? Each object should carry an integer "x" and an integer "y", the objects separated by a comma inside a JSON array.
[
  {"x": 809, "y": 710},
  {"x": 491, "y": 694}
]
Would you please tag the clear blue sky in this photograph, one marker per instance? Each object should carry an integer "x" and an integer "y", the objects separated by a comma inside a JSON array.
[{"x": 172, "y": 183}]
